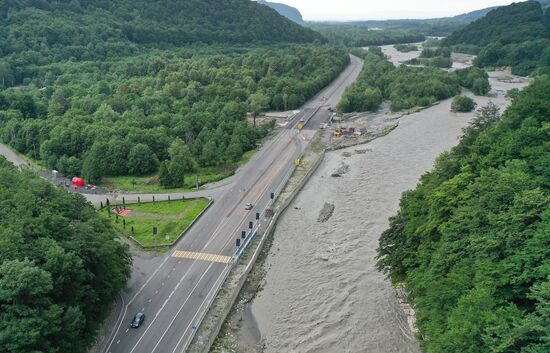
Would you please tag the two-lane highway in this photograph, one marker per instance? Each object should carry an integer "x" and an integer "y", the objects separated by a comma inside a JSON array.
[{"x": 178, "y": 290}]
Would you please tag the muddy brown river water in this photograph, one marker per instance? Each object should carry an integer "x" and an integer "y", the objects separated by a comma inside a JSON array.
[{"x": 322, "y": 292}]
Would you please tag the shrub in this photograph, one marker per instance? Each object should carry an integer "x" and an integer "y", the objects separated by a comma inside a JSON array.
[
  {"x": 463, "y": 104},
  {"x": 405, "y": 48},
  {"x": 475, "y": 79}
]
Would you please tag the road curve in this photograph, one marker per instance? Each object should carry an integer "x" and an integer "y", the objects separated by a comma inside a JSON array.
[{"x": 174, "y": 290}]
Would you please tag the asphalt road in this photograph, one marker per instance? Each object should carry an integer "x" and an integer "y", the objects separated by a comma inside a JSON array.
[{"x": 175, "y": 292}]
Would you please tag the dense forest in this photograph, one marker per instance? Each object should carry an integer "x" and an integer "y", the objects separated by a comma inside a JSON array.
[
  {"x": 60, "y": 266},
  {"x": 517, "y": 35},
  {"x": 103, "y": 89},
  {"x": 38, "y": 33},
  {"x": 92, "y": 116},
  {"x": 357, "y": 34},
  {"x": 406, "y": 87},
  {"x": 472, "y": 241},
  {"x": 47, "y": 30}
]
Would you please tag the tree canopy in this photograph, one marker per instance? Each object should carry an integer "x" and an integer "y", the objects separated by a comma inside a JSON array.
[
  {"x": 60, "y": 266},
  {"x": 517, "y": 35},
  {"x": 472, "y": 241},
  {"x": 406, "y": 87},
  {"x": 83, "y": 84}
]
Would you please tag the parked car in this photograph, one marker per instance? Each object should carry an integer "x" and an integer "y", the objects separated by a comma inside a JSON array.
[
  {"x": 138, "y": 320},
  {"x": 248, "y": 206}
]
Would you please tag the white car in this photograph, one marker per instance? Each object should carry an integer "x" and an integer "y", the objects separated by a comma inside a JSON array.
[{"x": 248, "y": 206}]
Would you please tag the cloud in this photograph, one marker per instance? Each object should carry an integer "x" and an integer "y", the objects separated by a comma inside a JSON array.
[{"x": 345, "y": 10}]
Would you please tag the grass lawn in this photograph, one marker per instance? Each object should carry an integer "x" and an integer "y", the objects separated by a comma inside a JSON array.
[
  {"x": 170, "y": 217},
  {"x": 149, "y": 184}
]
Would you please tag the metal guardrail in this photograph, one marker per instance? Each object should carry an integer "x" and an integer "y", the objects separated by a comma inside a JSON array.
[{"x": 252, "y": 235}]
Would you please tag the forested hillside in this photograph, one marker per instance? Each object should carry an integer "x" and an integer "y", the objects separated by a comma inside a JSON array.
[
  {"x": 87, "y": 85},
  {"x": 60, "y": 266},
  {"x": 47, "y": 31},
  {"x": 517, "y": 35},
  {"x": 357, "y": 34},
  {"x": 289, "y": 12},
  {"x": 472, "y": 241}
]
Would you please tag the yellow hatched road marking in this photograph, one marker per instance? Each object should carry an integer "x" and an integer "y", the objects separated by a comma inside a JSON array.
[{"x": 202, "y": 256}]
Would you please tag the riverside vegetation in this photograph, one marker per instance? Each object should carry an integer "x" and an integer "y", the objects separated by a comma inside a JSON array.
[
  {"x": 357, "y": 34},
  {"x": 406, "y": 87},
  {"x": 99, "y": 89},
  {"x": 472, "y": 241},
  {"x": 517, "y": 35}
]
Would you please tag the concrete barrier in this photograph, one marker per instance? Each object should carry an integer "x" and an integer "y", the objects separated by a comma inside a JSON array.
[{"x": 205, "y": 336}]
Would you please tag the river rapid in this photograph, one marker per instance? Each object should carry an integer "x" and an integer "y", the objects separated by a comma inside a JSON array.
[{"x": 322, "y": 292}]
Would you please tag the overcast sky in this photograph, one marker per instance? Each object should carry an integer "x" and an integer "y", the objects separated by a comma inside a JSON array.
[{"x": 344, "y": 10}]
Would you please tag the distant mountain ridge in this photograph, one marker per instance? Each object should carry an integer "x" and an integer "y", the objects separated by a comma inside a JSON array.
[
  {"x": 287, "y": 11},
  {"x": 474, "y": 15},
  {"x": 159, "y": 22},
  {"x": 514, "y": 23}
]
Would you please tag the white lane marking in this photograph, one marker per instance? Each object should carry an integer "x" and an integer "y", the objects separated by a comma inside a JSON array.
[
  {"x": 217, "y": 283},
  {"x": 133, "y": 298},
  {"x": 212, "y": 291},
  {"x": 181, "y": 307},
  {"x": 217, "y": 230},
  {"x": 149, "y": 326}
]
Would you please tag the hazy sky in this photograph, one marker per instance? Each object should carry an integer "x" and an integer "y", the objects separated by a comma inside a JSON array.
[{"x": 342, "y": 10}]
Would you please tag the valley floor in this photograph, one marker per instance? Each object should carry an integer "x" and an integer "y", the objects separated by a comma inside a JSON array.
[{"x": 321, "y": 291}]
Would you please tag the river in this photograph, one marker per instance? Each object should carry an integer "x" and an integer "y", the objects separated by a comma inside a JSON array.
[{"x": 322, "y": 292}]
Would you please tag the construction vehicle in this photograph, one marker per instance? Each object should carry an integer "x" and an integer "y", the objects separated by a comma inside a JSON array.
[{"x": 338, "y": 132}]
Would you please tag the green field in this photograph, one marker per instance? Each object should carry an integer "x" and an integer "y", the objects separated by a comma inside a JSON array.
[
  {"x": 149, "y": 184},
  {"x": 170, "y": 217}
]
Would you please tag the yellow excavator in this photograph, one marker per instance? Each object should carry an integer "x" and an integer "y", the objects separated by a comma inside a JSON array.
[{"x": 338, "y": 132}]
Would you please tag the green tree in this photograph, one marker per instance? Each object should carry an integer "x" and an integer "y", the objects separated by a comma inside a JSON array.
[
  {"x": 234, "y": 150},
  {"x": 173, "y": 171},
  {"x": 60, "y": 266},
  {"x": 372, "y": 99},
  {"x": 165, "y": 178},
  {"x": 257, "y": 103},
  {"x": 463, "y": 104},
  {"x": 471, "y": 241},
  {"x": 209, "y": 155},
  {"x": 93, "y": 166},
  {"x": 70, "y": 166},
  {"x": 142, "y": 160},
  {"x": 6, "y": 75}
]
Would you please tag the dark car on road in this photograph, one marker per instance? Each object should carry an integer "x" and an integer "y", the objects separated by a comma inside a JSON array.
[{"x": 138, "y": 320}]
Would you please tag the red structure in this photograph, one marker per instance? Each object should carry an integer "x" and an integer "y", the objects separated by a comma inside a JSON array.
[{"x": 76, "y": 181}]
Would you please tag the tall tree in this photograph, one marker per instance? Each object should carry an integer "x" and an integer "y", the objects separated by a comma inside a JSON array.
[
  {"x": 257, "y": 104},
  {"x": 142, "y": 160}
]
